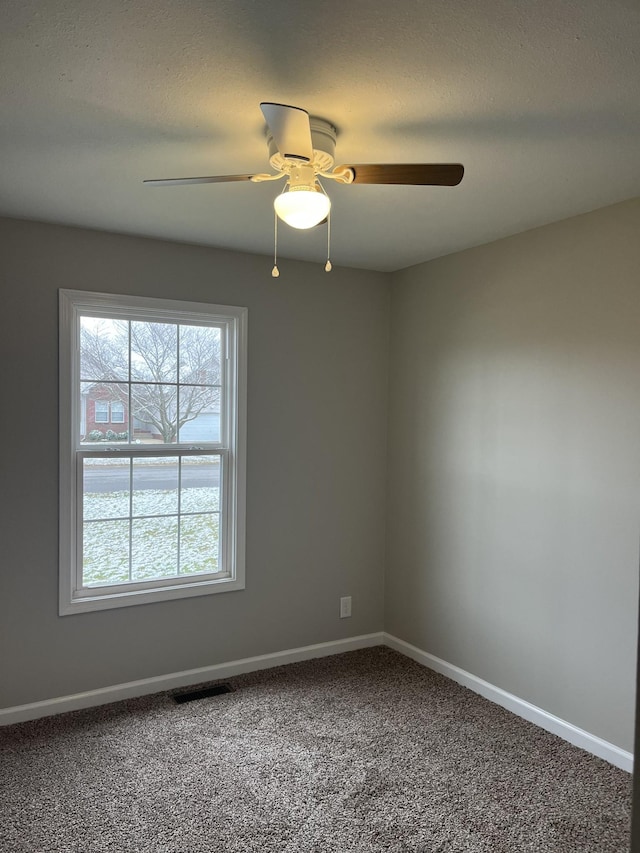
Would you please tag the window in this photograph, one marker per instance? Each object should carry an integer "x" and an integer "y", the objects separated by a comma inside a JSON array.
[
  {"x": 102, "y": 412},
  {"x": 156, "y": 510},
  {"x": 117, "y": 412}
]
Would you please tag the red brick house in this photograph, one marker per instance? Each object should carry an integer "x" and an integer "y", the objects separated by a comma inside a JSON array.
[{"x": 102, "y": 409}]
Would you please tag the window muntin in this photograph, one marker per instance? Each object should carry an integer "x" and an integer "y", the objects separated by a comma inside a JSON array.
[{"x": 151, "y": 514}]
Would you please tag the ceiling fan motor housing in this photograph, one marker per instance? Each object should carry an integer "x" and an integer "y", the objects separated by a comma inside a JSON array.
[{"x": 323, "y": 139}]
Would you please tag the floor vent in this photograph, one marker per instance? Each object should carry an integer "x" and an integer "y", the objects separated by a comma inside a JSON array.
[{"x": 192, "y": 695}]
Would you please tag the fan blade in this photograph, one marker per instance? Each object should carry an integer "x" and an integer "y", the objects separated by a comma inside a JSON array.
[
  {"x": 214, "y": 179},
  {"x": 433, "y": 174},
  {"x": 291, "y": 130}
]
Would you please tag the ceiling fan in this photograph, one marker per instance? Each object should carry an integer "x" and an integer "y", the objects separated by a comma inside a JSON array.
[{"x": 302, "y": 150}]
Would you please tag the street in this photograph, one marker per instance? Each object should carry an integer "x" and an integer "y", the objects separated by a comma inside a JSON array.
[{"x": 115, "y": 478}]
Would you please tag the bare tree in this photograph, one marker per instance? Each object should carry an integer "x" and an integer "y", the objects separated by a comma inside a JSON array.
[{"x": 174, "y": 370}]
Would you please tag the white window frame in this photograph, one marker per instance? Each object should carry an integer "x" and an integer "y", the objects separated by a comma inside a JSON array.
[{"x": 232, "y": 451}]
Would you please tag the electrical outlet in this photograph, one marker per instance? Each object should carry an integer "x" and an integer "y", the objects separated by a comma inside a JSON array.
[{"x": 345, "y": 606}]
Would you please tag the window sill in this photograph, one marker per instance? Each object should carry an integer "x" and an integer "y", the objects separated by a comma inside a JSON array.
[{"x": 105, "y": 600}]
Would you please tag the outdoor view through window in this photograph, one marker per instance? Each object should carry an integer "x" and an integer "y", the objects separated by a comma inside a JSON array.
[{"x": 157, "y": 384}]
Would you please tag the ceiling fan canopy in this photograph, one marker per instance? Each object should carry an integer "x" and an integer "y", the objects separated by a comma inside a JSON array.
[{"x": 302, "y": 150}]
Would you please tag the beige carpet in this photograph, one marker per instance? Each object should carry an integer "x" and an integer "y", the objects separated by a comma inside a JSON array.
[{"x": 365, "y": 751}]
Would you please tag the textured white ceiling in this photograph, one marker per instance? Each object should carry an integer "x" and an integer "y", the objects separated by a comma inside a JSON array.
[{"x": 539, "y": 100}]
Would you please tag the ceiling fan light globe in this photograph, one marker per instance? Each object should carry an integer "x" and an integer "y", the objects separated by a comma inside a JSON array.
[{"x": 302, "y": 207}]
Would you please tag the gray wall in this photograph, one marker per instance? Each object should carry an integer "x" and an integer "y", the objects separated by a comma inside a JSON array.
[
  {"x": 513, "y": 487},
  {"x": 514, "y": 465},
  {"x": 635, "y": 826},
  {"x": 317, "y": 383}
]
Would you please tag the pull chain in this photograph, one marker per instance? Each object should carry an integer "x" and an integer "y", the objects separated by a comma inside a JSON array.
[
  {"x": 275, "y": 272},
  {"x": 328, "y": 266}
]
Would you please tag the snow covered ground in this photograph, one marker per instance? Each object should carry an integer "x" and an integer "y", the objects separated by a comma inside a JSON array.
[{"x": 159, "y": 540}]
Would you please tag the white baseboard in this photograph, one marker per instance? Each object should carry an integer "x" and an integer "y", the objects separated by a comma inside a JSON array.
[
  {"x": 157, "y": 684},
  {"x": 578, "y": 737},
  {"x": 115, "y": 693}
]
